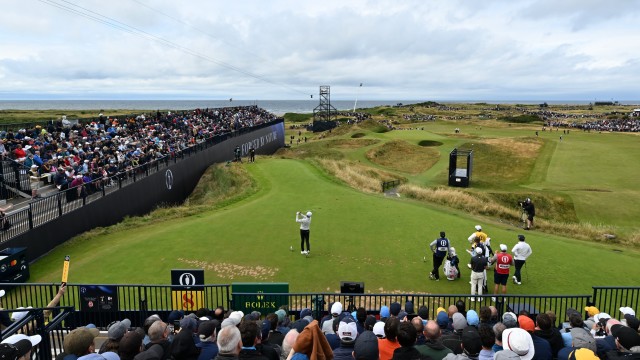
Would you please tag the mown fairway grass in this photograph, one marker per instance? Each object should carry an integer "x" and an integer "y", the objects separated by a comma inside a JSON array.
[
  {"x": 359, "y": 234},
  {"x": 355, "y": 236}
]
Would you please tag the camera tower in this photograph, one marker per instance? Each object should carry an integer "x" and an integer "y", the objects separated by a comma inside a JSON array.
[{"x": 324, "y": 114}]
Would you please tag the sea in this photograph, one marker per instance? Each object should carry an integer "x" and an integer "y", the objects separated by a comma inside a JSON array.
[{"x": 278, "y": 107}]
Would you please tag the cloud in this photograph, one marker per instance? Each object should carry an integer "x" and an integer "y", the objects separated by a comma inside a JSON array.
[{"x": 285, "y": 49}]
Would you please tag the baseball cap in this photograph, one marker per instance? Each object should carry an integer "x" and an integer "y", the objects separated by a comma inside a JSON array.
[
  {"x": 625, "y": 310},
  {"x": 78, "y": 341},
  {"x": 378, "y": 330},
  {"x": 471, "y": 343},
  {"x": 309, "y": 213},
  {"x": 472, "y": 318},
  {"x": 503, "y": 247},
  {"x": 14, "y": 351},
  {"x": 582, "y": 354},
  {"x": 34, "y": 339},
  {"x": 305, "y": 312},
  {"x": 442, "y": 319},
  {"x": 175, "y": 315},
  {"x": 521, "y": 237},
  {"x": 2, "y": 292},
  {"x": 626, "y": 336},
  {"x": 592, "y": 310},
  {"x": 336, "y": 308},
  {"x": 366, "y": 346},
  {"x": 582, "y": 338},
  {"x": 107, "y": 355},
  {"x": 384, "y": 311},
  {"x": 18, "y": 315},
  {"x": 402, "y": 315},
  {"x": 459, "y": 322},
  {"x": 117, "y": 330},
  {"x": 478, "y": 250},
  {"x": 281, "y": 314},
  {"x": 478, "y": 227},
  {"x": 526, "y": 323},
  {"x": 601, "y": 316},
  {"x": 395, "y": 308},
  {"x": 518, "y": 341},
  {"x": 236, "y": 316},
  {"x": 347, "y": 330},
  {"x": 206, "y": 329}
]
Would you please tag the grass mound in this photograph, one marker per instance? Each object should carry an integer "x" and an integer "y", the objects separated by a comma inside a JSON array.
[
  {"x": 517, "y": 158},
  {"x": 295, "y": 118},
  {"x": 358, "y": 135},
  {"x": 401, "y": 156},
  {"x": 356, "y": 175},
  {"x": 351, "y": 143}
]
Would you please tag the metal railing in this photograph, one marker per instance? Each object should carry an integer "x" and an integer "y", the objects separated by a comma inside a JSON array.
[
  {"x": 56, "y": 204},
  {"x": 35, "y": 322},
  {"x": 534, "y": 304},
  {"x": 135, "y": 302},
  {"x": 609, "y": 299}
]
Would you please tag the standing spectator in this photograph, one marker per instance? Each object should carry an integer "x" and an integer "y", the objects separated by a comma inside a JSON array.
[
  {"x": 529, "y": 209},
  {"x": 305, "y": 223},
  {"x": 252, "y": 154},
  {"x": 440, "y": 248},
  {"x": 521, "y": 251},
  {"x": 627, "y": 342},
  {"x": 478, "y": 266},
  {"x": 250, "y": 334},
  {"x": 471, "y": 345},
  {"x": 207, "y": 345},
  {"x": 348, "y": 332},
  {"x": 487, "y": 337},
  {"x": 454, "y": 339},
  {"x": 34, "y": 181},
  {"x": 519, "y": 341},
  {"x": 503, "y": 261},
  {"x": 131, "y": 344}
]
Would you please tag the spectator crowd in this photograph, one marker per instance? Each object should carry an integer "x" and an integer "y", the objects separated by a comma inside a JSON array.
[
  {"x": 394, "y": 333},
  {"x": 88, "y": 152}
]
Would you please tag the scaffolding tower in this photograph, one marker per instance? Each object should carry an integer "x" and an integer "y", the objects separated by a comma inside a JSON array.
[{"x": 324, "y": 115}]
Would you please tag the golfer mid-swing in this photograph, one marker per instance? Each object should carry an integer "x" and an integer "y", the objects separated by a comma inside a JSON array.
[{"x": 305, "y": 223}]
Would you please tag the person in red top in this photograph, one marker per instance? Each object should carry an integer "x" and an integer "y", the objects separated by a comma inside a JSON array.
[
  {"x": 503, "y": 261},
  {"x": 19, "y": 153}
]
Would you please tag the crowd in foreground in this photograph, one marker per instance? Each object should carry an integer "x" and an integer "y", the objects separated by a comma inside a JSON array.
[
  {"x": 88, "y": 152},
  {"x": 396, "y": 333}
]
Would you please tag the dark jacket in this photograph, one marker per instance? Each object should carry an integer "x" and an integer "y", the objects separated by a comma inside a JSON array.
[
  {"x": 343, "y": 352},
  {"x": 553, "y": 337},
  {"x": 251, "y": 354},
  {"x": 453, "y": 341},
  {"x": 409, "y": 353},
  {"x": 434, "y": 349}
]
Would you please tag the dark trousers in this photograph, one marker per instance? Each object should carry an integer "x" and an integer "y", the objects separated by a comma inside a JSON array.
[
  {"x": 519, "y": 265},
  {"x": 304, "y": 238},
  {"x": 437, "y": 262}
]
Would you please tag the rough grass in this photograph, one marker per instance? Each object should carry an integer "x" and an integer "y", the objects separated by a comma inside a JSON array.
[
  {"x": 401, "y": 156},
  {"x": 351, "y": 143},
  {"x": 356, "y": 175},
  {"x": 220, "y": 185},
  {"x": 516, "y": 160}
]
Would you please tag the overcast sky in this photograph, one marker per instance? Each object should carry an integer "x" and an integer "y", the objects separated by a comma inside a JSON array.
[{"x": 279, "y": 49}]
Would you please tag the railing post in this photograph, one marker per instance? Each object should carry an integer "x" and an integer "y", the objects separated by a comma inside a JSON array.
[
  {"x": 30, "y": 217},
  {"x": 59, "y": 195},
  {"x": 45, "y": 345}
]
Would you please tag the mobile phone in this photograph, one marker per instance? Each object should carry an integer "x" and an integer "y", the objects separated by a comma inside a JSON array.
[{"x": 176, "y": 325}]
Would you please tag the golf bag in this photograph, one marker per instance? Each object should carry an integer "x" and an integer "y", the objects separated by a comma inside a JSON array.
[{"x": 450, "y": 271}]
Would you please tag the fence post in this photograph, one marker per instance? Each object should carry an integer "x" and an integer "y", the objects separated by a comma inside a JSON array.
[
  {"x": 59, "y": 204},
  {"x": 30, "y": 217},
  {"x": 44, "y": 352}
]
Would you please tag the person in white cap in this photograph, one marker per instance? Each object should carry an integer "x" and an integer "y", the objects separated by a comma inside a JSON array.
[
  {"x": 503, "y": 261},
  {"x": 305, "y": 223},
  {"x": 480, "y": 238},
  {"x": 34, "y": 181}
]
